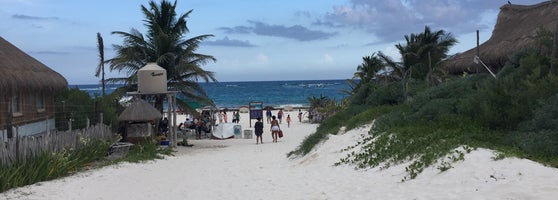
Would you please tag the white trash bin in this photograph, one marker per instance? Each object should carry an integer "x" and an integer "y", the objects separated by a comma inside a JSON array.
[{"x": 248, "y": 134}]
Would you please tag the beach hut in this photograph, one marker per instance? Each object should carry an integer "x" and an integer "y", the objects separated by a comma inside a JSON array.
[
  {"x": 27, "y": 89},
  {"x": 139, "y": 119},
  {"x": 515, "y": 30}
]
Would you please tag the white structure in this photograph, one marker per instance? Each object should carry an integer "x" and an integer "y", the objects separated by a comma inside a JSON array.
[{"x": 152, "y": 79}]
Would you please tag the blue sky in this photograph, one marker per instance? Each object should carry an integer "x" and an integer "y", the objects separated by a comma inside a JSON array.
[{"x": 253, "y": 39}]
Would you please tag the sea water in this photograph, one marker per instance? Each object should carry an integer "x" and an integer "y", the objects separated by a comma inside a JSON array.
[{"x": 270, "y": 93}]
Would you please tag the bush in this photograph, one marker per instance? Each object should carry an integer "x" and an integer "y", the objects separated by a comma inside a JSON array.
[{"x": 538, "y": 137}]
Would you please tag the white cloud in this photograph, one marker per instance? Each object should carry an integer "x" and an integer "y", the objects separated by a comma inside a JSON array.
[
  {"x": 262, "y": 59},
  {"x": 327, "y": 59}
]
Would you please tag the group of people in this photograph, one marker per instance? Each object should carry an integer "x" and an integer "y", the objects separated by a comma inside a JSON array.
[
  {"x": 275, "y": 122},
  {"x": 203, "y": 124},
  {"x": 259, "y": 126},
  {"x": 223, "y": 117},
  {"x": 198, "y": 125}
]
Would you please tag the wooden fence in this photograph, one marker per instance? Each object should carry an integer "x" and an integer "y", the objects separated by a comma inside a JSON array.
[{"x": 19, "y": 148}]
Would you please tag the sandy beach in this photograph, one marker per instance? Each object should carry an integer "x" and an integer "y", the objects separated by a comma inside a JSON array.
[{"x": 240, "y": 169}]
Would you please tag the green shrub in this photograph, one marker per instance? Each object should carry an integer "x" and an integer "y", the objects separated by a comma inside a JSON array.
[{"x": 47, "y": 166}]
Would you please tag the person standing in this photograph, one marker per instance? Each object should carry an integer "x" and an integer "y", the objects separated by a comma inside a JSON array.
[
  {"x": 225, "y": 116},
  {"x": 237, "y": 116},
  {"x": 275, "y": 128},
  {"x": 299, "y": 116},
  {"x": 258, "y": 130},
  {"x": 268, "y": 115},
  {"x": 289, "y": 121},
  {"x": 280, "y": 116}
]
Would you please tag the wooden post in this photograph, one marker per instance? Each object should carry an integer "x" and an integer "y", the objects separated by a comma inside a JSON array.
[
  {"x": 101, "y": 122},
  {"x": 65, "y": 118},
  {"x": 10, "y": 113},
  {"x": 478, "y": 46},
  {"x": 17, "y": 144},
  {"x": 70, "y": 125}
]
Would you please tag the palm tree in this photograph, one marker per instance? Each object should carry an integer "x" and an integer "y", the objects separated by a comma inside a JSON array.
[
  {"x": 434, "y": 46},
  {"x": 101, "y": 67},
  {"x": 368, "y": 70},
  {"x": 398, "y": 71},
  {"x": 316, "y": 104},
  {"x": 164, "y": 44},
  {"x": 423, "y": 52}
]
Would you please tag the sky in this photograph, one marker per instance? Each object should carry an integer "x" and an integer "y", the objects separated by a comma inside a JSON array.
[{"x": 253, "y": 40}]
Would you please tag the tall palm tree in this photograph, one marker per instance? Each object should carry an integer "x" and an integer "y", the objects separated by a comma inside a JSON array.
[
  {"x": 164, "y": 44},
  {"x": 101, "y": 67}
]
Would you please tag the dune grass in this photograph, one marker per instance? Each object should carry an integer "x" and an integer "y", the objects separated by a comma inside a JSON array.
[{"x": 48, "y": 166}]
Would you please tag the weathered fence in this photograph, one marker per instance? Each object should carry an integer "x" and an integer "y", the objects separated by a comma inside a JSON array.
[{"x": 19, "y": 148}]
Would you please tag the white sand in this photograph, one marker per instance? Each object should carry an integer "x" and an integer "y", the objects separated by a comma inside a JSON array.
[{"x": 240, "y": 169}]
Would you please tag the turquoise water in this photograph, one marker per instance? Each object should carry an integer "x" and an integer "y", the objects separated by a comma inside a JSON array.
[{"x": 270, "y": 93}]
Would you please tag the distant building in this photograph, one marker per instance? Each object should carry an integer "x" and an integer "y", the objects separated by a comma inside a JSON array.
[
  {"x": 27, "y": 89},
  {"x": 515, "y": 30}
]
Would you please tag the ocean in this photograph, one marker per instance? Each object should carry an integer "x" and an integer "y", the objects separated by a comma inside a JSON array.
[{"x": 270, "y": 93}]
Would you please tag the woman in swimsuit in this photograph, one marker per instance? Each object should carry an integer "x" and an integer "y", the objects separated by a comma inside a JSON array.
[{"x": 274, "y": 128}]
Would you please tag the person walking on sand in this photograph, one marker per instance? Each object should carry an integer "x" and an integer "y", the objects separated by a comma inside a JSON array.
[
  {"x": 274, "y": 128},
  {"x": 280, "y": 115},
  {"x": 258, "y": 130},
  {"x": 289, "y": 121}
]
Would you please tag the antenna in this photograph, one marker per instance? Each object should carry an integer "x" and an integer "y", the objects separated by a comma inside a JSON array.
[{"x": 476, "y": 60}]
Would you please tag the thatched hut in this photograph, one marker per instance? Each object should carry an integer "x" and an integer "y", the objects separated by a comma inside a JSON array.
[
  {"x": 27, "y": 90},
  {"x": 138, "y": 119},
  {"x": 515, "y": 30}
]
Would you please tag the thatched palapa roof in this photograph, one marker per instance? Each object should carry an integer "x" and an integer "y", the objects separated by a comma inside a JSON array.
[
  {"x": 140, "y": 110},
  {"x": 515, "y": 30},
  {"x": 23, "y": 72}
]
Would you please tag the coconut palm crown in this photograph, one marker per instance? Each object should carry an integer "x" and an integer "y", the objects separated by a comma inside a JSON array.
[{"x": 164, "y": 44}]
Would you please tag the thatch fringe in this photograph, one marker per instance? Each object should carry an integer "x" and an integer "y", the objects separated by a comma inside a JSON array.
[
  {"x": 23, "y": 72},
  {"x": 515, "y": 30}
]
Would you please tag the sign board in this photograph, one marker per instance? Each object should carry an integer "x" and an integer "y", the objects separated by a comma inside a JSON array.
[{"x": 256, "y": 111}]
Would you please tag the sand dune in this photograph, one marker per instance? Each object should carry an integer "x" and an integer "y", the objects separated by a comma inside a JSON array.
[{"x": 240, "y": 169}]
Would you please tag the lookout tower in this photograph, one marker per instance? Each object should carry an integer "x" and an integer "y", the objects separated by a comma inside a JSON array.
[{"x": 152, "y": 82}]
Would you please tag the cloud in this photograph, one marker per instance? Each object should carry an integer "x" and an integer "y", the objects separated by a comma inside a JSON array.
[
  {"x": 327, "y": 58},
  {"x": 28, "y": 17},
  {"x": 230, "y": 43},
  {"x": 296, "y": 32},
  {"x": 262, "y": 59},
  {"x": 391, "y": 20}
]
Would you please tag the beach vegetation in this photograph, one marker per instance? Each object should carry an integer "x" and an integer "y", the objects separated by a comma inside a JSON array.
[
  {"x": 49, "y": 166},
  {"x": 165, "y": 44},
  {"x": 91, "y": 154},
  {"x": 420, "y": 124},
  {"x": 78, "y": 107},
  {"x": 322, "y": 107}
]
